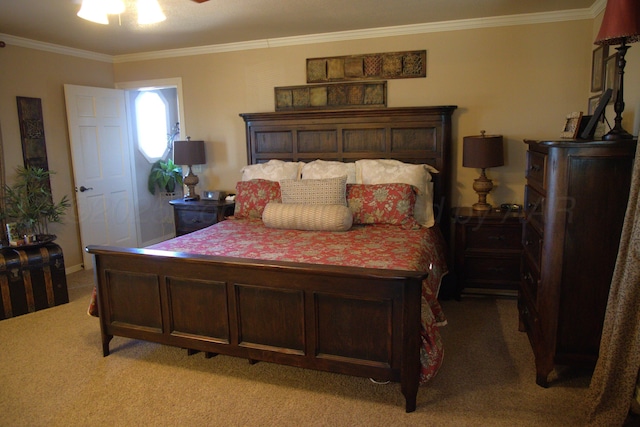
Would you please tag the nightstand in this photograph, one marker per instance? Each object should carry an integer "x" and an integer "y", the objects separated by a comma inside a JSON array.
[
  {"x": 193, "y": 215},
  {"x": 487, "y": 251}
]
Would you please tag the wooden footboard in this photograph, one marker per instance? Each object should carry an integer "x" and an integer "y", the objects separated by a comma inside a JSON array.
[{"x": 354, "y": 321}]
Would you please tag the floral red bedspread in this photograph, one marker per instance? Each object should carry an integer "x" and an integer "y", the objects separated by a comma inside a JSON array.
[{"x": 370, "y": 246}]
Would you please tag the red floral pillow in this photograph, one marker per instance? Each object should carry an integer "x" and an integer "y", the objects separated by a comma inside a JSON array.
[
  {"x": 382, "y": 204},
  {"x": 252, "y": 196}
]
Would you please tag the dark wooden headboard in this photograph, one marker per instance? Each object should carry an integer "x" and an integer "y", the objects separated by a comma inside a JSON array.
[{"x": 408, "y": 134}]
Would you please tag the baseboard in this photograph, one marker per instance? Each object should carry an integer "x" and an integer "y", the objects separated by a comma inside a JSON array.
[{"x": 73, "y": 269}]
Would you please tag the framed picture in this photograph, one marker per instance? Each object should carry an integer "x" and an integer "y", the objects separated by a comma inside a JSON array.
[
  {"x": 593, "y": 103},
  {"x": 611, "y": 76},
  {"x": 597, "y": 68},
  {"x": 589, "y": 130},
  {"x": 571, "y": 125}
]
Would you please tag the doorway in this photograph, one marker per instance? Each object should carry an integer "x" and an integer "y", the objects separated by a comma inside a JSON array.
[{"x": 155, "y": 215}]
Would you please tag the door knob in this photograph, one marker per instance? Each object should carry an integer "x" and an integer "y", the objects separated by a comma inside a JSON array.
[{"x": 83, "y": 188}]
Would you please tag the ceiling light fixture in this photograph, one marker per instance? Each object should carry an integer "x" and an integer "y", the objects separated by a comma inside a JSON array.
[{"x": 149, "y": 11}]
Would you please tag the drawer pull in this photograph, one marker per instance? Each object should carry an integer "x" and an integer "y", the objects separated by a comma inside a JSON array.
[
  {"x": 195, "y": 221},
  {"x": 496, "y": 269},
  {"x": 535, "y": 168},
  {"x": 497, "y": 237}
]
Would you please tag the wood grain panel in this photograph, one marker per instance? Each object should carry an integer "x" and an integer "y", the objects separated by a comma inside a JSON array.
[
  {"x": 198, "y": 308},
  {"x": 134, "y": 299},
  {"x": 349, "y": 328},
  {"x": 270, "y": 318}
]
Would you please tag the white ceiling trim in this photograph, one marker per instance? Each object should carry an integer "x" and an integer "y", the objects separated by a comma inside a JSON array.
[
  {"x": 54, "y": 48},
  {"x": 464, "y": 24}
]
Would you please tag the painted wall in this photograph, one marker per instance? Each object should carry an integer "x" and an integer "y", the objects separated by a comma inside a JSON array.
[
  {"x": 38, "y": 74},
  {"x": 518, "y": 81}
]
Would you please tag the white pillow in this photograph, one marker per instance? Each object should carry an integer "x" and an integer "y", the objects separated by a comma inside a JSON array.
[
  {"x": 328, "y": 191},
  {"x": 319, "y": 169},
  {"x": 273, "y": 170},
  {"x": 307, "y": 217},
  {"x": 388, "y": 171}
]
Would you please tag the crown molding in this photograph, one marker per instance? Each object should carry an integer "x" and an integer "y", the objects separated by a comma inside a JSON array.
[
  {"x": 55, "y": 48},
  {"x": 402, "y": 30}
]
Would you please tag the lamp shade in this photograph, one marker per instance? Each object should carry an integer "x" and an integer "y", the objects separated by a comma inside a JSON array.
[
  {"x": 482, "y": 151},
  {"x": 621, "y": 23},
  {"x": 188, "y": 153}
]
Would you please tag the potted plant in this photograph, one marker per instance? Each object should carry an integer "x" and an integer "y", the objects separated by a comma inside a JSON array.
[
  {"x": 29, "y": 204},
  {"x": 164, "y": 175}
]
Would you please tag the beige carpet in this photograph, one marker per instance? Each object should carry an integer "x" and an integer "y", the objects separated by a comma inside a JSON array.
[{"x": 52, "y": 373}]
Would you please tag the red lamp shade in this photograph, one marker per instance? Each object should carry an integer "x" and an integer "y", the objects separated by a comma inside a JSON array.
[{"x": 621, "y": 23}]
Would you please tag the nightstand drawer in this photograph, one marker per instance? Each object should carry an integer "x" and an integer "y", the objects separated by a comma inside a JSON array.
[
  {"x": 195, "y": 220},
  {"x": 192, "y": 215},
  {"x": 487, "y": 251},
  {"x": 491, "y": 269},
  {"x": 490, "y": 236}
]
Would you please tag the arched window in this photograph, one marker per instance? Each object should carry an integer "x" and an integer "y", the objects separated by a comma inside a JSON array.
[{"x": 151, "y": 123}]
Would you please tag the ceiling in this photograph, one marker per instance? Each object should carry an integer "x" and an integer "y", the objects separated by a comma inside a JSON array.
[{"x": 218, "y": 22}]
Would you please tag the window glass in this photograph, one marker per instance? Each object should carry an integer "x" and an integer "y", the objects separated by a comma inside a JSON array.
[{"x": 151, "y": 124}]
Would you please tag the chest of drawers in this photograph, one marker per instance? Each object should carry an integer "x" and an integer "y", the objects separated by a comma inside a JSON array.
[{"x": 575, "y": 200}]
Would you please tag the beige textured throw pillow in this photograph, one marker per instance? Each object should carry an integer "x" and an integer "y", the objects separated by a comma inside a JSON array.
[
  {"x": 307, "y": 217},
  {"x": 329, "y": 191}
]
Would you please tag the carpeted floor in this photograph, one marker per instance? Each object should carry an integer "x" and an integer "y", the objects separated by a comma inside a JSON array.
[{"x": 52, "y": 373}]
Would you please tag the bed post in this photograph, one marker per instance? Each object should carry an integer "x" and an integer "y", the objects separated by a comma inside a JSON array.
[{"x": 410, "y": 371}]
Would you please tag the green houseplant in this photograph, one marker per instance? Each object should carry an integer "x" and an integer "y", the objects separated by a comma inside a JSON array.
[
  {"x": 164, "y": 175},
  {"x": 29, "y": 203}
]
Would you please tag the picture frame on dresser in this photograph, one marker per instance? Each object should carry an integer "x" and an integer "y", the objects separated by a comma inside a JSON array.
[
  {"x": 610, "y": 76},
  {"x": 571, "y": 125},
  {"x": 589, "y": 130},
  {"x": 592, "y": 104},
  {"x": 597, "y": 67}
]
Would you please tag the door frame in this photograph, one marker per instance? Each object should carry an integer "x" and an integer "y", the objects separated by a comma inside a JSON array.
[{"x": 175, "y": 82}]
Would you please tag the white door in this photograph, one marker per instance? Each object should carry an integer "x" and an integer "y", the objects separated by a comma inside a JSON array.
[{"x": 100, "y": 153}]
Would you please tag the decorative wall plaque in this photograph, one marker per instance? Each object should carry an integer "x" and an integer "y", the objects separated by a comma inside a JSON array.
[
  {"x": 328, "y": 96},
  {"x": 34, "y": 148},
  {"x": 394, "y": 65}
]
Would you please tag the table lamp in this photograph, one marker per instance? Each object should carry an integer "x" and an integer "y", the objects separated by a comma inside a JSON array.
[
  {"x": 189, "y": 153},
  {"x": 483, "y": 151},
  {"x": 620, "y": 25}
]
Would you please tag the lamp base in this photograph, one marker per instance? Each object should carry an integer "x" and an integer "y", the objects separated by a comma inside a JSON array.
[
  {"x": 617, "y": 134},
  {"x": 484, "y": 207},
  {"x": 191, "y": 180},
  {"x": 482, "y": 186}
]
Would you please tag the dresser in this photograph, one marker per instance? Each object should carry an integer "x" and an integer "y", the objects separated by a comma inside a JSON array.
[
  {"x": 487, "y": 251},
  {"x": 575, "y": 200},
  {"x": 193, "y": 215}
]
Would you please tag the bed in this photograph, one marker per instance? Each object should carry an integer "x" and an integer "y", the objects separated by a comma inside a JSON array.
[{"x": 223, "y": 290}]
